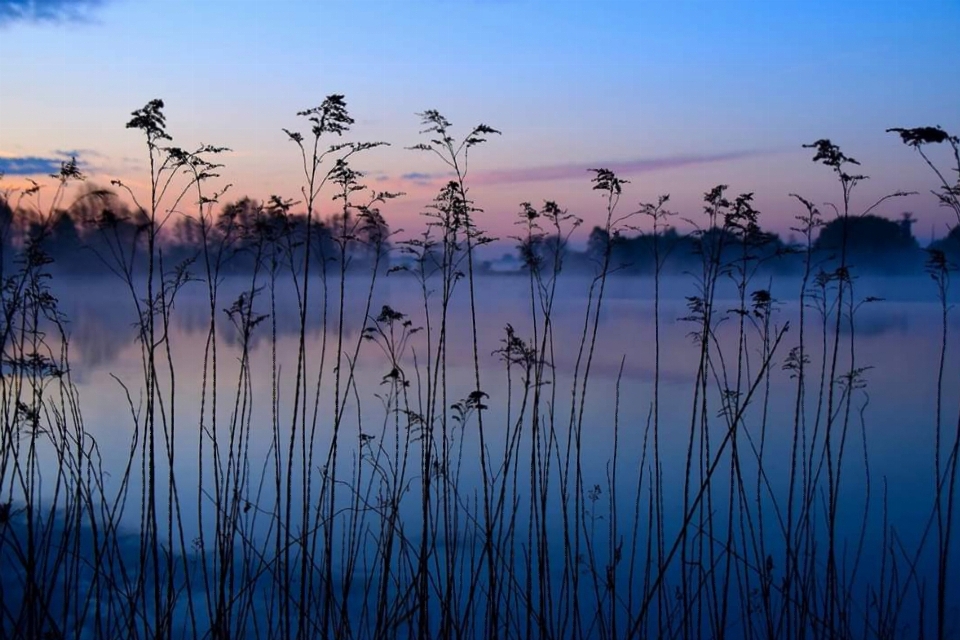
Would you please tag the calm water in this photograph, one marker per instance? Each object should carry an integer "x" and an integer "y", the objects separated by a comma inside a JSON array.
[
  {"x": 897, "y": 341},
  {"x": 891, "y": 436}
]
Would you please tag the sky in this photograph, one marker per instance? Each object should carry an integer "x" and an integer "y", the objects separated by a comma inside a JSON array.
[{"x": 675, "y": 95}]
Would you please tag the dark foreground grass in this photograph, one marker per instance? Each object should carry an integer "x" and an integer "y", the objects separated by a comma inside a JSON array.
[{"x": 453, "y": 514}]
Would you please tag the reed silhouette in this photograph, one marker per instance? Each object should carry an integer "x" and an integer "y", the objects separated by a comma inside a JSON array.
[{"x": 449, "y": 497}]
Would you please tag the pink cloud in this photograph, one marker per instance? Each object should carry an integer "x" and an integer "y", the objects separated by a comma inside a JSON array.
[{"x": 623, "y": 168}]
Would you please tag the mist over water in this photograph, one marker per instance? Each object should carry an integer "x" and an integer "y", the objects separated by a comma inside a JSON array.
[
  {"x": 268, "y": 415},
  {"x": 657, "y": 336},
  {"x": 891, "y": 433},
  {"x": 256, "y": 402}
]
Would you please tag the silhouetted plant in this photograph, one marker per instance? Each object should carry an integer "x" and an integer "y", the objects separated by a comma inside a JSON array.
[
  {"x": 939, "y": 267},
  {"x": 455, "y": 507}
]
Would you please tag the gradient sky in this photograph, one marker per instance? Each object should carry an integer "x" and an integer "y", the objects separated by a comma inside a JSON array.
[{"x": 675, "y": 95}]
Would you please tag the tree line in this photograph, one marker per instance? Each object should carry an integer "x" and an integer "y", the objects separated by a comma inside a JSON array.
[{"x": 84, "y": 238}]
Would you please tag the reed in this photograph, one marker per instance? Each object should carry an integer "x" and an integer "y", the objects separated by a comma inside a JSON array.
[{"x": 452, "y": 496}]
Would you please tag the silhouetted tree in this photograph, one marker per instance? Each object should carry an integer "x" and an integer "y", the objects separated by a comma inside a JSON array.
[
  {"x": 597, "y": 243},
  {"x": 6, "y": 213},
  {"x": 949, "y": 245},
  {"x": 6, "y": 222},
  {"x": 871, "y": 241},
  {"x": 64, "y": 236}
]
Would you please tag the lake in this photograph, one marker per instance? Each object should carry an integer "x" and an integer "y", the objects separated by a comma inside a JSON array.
[{"x": 613, "y": 479}]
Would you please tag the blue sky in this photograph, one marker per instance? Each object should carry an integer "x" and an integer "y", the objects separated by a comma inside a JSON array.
[{"x": 678, "y": 95}]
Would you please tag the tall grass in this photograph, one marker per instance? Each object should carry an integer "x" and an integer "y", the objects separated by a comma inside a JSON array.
[{"x": 425, "y": 503}]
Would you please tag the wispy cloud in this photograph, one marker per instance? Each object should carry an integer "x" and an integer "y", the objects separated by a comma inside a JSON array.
[
  {"x": 623, "y": 168},
  {"x": 424, "y": 179},
  {"x": 418, "y": 176},
  {"x": 414, "y": 175},
  {"x": 76, "y": 153},
  {"x": 15, "y": 165},
  {"x": 29, "y": 165},
  {"x": 12, "y": 11}
]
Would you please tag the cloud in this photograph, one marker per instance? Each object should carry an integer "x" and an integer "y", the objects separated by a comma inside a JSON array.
[
  {"x": 76, "y": 153},
  {"x": 417, "y": 176},
  {"x": 422, "y": 179},
  {"x": 14, "y": 165},
  {"x": 29, "y": 166},
  {"x": 624, "y": 168},
  {"x": 12, "y": 11}
]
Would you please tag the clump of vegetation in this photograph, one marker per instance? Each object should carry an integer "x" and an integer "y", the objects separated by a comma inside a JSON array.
[{"x": 449, "y": 497}]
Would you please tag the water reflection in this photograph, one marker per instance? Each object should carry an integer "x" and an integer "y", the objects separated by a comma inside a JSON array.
[{"x": 259, "y": 398}]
